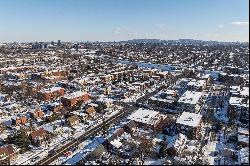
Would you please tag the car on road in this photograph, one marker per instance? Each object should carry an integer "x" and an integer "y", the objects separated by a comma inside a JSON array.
[
  {"x": 73, "y": 149},
  {"x": 67, "y": 154},
  {"x": 138, "y": 104},
  {"x": 51, "y": 152},
  {"x": 33, "y": 159}
]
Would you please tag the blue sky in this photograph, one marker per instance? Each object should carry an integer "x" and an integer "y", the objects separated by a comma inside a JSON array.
[{"x": 109, "y": 20}]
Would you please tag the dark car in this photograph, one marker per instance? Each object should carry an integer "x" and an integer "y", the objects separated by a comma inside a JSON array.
[
  {"x": 33, "y": 159},
  {"x": 51, "y": 152}
]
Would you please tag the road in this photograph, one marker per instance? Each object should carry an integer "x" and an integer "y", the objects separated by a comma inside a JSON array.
[
  {"x": 127, "y": 109},
  {"x": 76, "y": 142}
]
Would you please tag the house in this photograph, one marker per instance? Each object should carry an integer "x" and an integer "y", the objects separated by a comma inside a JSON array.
[
  {"x": 92, "y": 151},
  {"x": 111, "y": 142},
  {"x": 164, "y": 99},
  {"x": 232, "y": 79},
  {"x": 243, "y": 137},
  {"x": 189, "y": 124},
  {"x": 240, "y": 108},
  {"x": 181, "y": 85},
  {"x": 16, "y": 69},
  {"x": 235, "y": 79},
  {"x": 56, "y": 107},
  {"x": 73, "y": 120},
  {"x": 243, "y": 156},
  {"x": 206, "y": 77},
  {"x": 2, "y": 127},
  {"x": 58, "y": 72},
  {"x": 177, "y": 144},
  {"x": 6, "y": 153},
  {"x": 149, "y": 73},
  {"x": 39, "y": 136},
  {"x": 130, "y": 126},
  {"x": 239, "y": 91},
  {"x": 51, "y": 93},
  {"x": 37, "y": 76},
  {"x": 16, "y": 120},
  {"x": 70, "y": 100},
  {"x": 90, "y": 111},
  {"x": 52, "y": 79},
  {"x": 139, "y": 86},
  {"x": 196, "y": 85},
  {"x": 3, "y": 97},
  {"x": 156, "y": 78},
  {"x": 97, "y": 153},
  {"x": 38, "y": 114},
  {"x": 11, "y": 86},
  {"x": 190, "y": 101},
  {"x": 106, "y": 78},
  {"x": 34, "y": 87},
  {"x": 164, "y": 74},
  {"x": 223, "y": 77},
  {"x": 148, "y": 119}
]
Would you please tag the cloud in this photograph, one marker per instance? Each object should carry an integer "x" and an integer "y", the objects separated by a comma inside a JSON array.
[
  {"x": 220, "y": 26},
  {"x": 240, "y": 23}
]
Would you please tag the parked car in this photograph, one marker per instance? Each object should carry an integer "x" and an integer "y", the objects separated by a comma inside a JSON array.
[
  {"x": 73, "y": 149},
  {"x": 67, "y": 154},
  {"x": 33, "y": 159},
  {"x": 51, "y": 152}
]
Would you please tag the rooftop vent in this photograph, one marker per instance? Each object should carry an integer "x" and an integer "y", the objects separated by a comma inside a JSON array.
[{"x": 189, "y": 119}]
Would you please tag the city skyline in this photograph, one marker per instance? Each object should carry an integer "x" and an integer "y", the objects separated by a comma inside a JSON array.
[{"x": 30, "y": 21}]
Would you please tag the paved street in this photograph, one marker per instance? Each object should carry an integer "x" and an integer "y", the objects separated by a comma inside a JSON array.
[{"x": 127, "y": 109}]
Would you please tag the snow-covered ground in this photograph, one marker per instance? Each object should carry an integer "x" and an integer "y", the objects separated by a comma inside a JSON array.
[
  {"x": 59, "y": 141},
  {"x": 150, "y": 161},
  {"x": 136, "y": 96},
  {"x": 61, "y": 160}
]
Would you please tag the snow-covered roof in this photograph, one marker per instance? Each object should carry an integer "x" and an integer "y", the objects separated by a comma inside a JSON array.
[
  {"x": 197, "y": 83},
  {"x": 244, "y": 155},
  {"x": 48, "y": 127},
  {"x": 177, "y": 141},
  {"x": 50, "y": 90},
  {"x": 190, "y": 97},
  {"x": 143, "y": 115},
  {"x": 52, "y": 77},
  {"x": 116, "y": 143},
  {"x": 238, "y": 102},
  {"x": 243, "y": 138},
  {"x": 74, "y": 95},
  {"x": 243, "y": 131},
  {"x": 189, "y": 119},
  {"x": 244, "y": 91},
  {"x": 205, "y": 76}
]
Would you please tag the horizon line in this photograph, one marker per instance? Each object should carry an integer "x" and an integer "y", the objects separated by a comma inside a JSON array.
[{"x": 94, "y": 41}]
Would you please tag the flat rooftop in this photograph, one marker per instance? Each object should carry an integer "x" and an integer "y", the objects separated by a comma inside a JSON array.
[
  {"x": 197, "y": 83},
  {"x": 50, "y": 90},
  {"x": 239, "y": 101},
  {"x": 143, "y": 115},
  {"x": 189, "y": 119},
  {"x": 190, "y": 97},
  {"x": 74, "y": 95}
]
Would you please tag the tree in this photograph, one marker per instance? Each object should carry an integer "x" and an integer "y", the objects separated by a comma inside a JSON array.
[
  {"x": 22, "y": 139},
  {"x": 105, "y": 128},
  {"x": 31, "y": 127},
  {"x": 163, "y": 148},
  {"x": 145, "y": 147}
]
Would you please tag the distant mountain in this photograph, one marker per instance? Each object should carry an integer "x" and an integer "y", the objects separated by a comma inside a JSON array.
[
  {"x": 144, "y": 41},
  {"x": 179, "y": 41}
]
